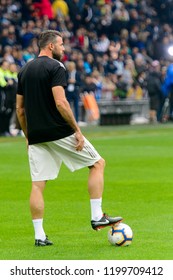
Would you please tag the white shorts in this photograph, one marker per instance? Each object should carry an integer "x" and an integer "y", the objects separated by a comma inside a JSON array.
[{"x": 45, "y": 159}]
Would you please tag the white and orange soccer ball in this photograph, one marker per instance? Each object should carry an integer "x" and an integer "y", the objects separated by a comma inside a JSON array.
[{"x": 120, "y": 235}]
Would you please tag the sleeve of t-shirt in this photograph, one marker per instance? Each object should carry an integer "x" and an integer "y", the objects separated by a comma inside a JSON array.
[
  {"x": 59, "y": 77},
  {"x": 19, "y": 86}
]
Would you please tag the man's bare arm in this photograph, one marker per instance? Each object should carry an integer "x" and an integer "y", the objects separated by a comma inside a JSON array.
[
  {"x": 65, "y": 110},
  {"x": 20, "y": 111}
]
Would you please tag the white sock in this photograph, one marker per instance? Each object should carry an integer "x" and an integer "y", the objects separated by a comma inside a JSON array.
[
  {"x": 96, "y": 209},
  {"x": 38, "y": 228}
]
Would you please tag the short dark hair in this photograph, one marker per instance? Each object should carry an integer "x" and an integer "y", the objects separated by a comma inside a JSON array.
[{"x": 46, "y": 37}]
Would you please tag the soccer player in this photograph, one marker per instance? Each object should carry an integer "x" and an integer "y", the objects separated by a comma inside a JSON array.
[{"x": 52, "y": 133}]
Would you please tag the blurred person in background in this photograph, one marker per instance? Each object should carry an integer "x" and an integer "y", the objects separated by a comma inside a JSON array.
[
  {"x": 135, "y": 92},
  {"x": 8, "y": 85},
  {"x": 43, "y": 8},
  {"x": 73, "y": 87},
  {"x": 60, "y": 9},
  {"x": 167, "y": 89},
  {"x": 108, "y": 87},
  {"x": 154, "y": 85}
]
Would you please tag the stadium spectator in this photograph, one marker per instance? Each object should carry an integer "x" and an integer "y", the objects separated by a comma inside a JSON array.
[
  {"x": 108, "y": 88},
  {"x": 27, "y": 34},
  {"x": 43, "y": 9},
  {"x": 8, "y": 55},
  {"x": 98, "y": 80},
  {"x": 135, "y": 92},
  {"x": 60, "y": 9},
  {"x": 128, "y": 74},
  {"x": 154, "y": 88},
  {"x": 121, "y": 88},
  {"x": 73, "y": 87},
  {"x": 75, "y": 13},
  {"x": 167, "y": 89},
  {"x": 8, "y": 85},
  {"x": 102, "y": 45},
  {"x": 89, "y": 63},
  {"x": 89, "y": 85},
  {"x": 87, "y": 15},
  {"x": 81, "y": 39}
]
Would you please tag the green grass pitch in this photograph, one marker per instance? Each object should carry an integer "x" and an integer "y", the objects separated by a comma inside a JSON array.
[{"x": 138, "y": 186}]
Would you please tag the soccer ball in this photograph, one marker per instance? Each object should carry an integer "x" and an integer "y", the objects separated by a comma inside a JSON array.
[{"x": 120, "y": 235}]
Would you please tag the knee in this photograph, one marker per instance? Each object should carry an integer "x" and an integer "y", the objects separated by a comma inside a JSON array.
[
  {"x": 38, "y": 186},
  {"x": 100, "y": 164}
]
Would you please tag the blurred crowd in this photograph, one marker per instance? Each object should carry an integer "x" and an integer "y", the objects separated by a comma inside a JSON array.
[{"x": 113, "y": 48}]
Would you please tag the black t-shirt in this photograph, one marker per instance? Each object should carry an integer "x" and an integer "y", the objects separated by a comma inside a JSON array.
[{"x": 35, "y": 82}]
